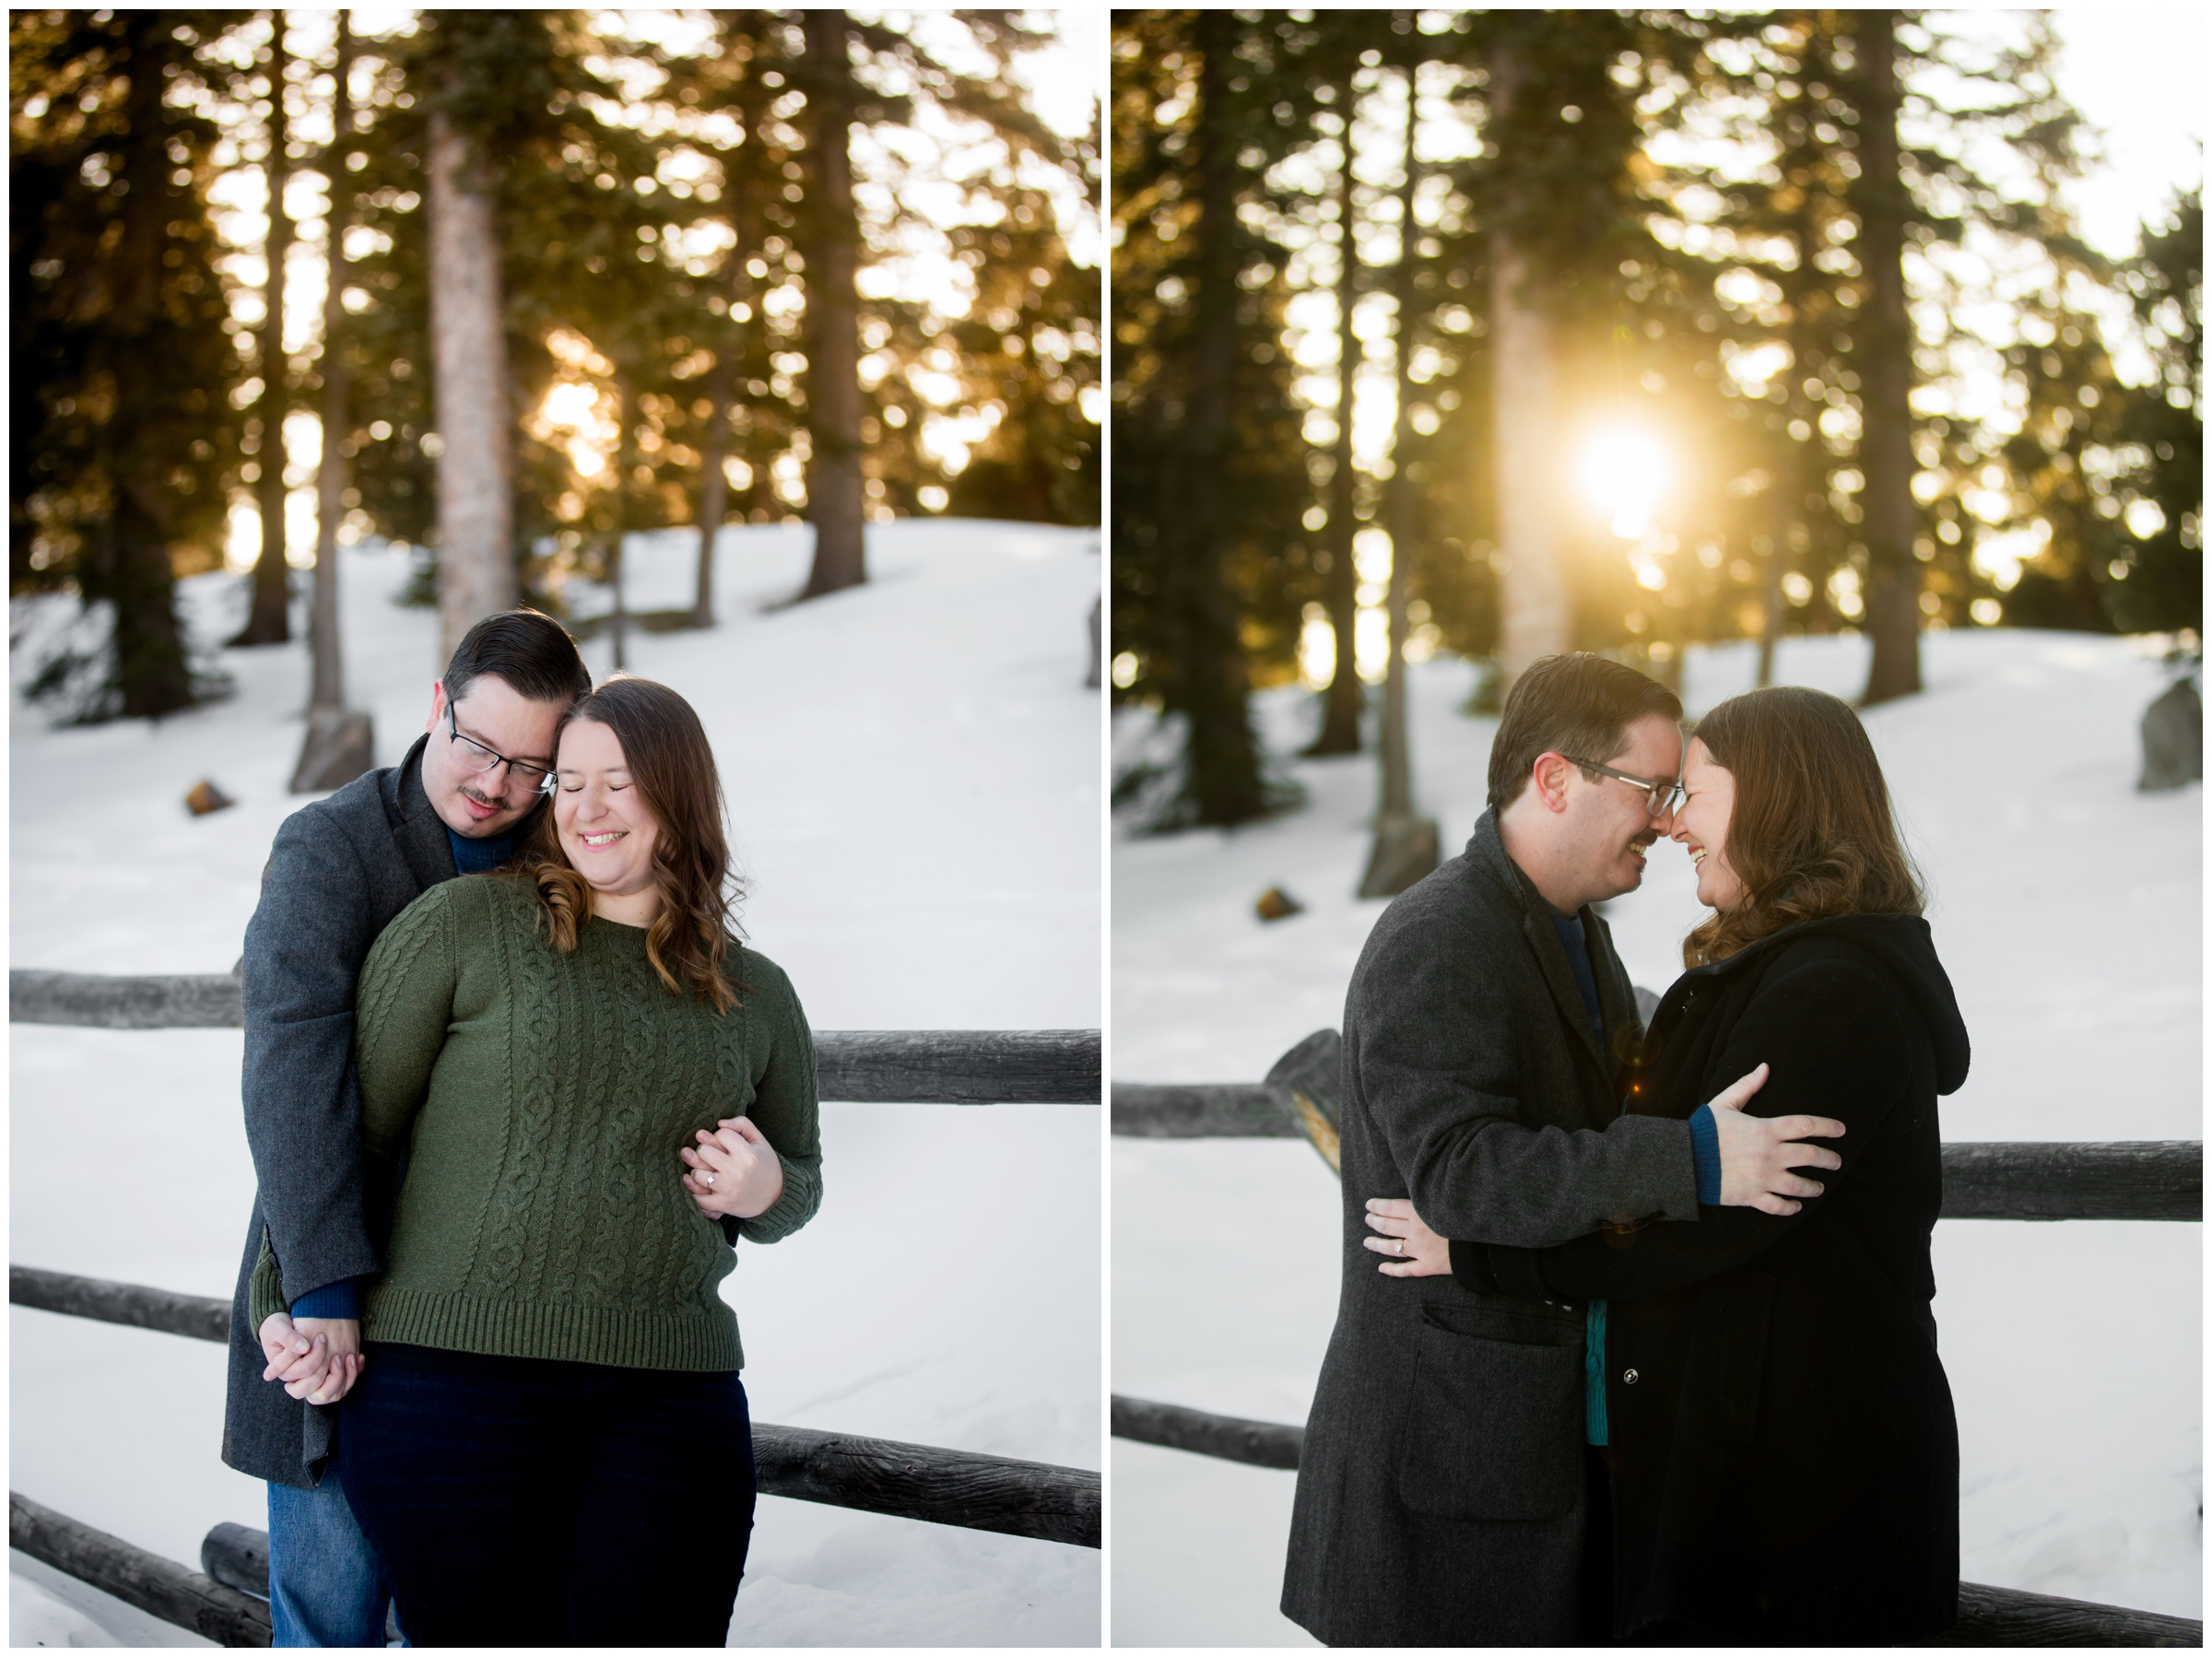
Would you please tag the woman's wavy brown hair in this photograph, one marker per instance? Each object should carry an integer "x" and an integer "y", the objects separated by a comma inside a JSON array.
[
  {"x": 1812, "y": 833},
  {"x": 672, "y": 768}
]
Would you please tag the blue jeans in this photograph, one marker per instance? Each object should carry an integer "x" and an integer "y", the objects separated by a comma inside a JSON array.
[
  {"x": 326, "y": 1586},
  {"x": 534, "y": 1502}
]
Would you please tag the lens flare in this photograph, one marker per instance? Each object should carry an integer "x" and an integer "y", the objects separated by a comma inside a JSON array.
[{"x": 1625, "y": 472}]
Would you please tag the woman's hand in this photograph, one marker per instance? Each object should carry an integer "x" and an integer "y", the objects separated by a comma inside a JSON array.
[
  {"x": 734, "y": 1170},
  {"x": 317, "y": 1359},
  {"x": 1414, "y": 1249}
]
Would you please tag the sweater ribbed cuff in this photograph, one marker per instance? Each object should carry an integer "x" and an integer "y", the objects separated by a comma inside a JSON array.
[
  {"x": 793, "y": 1209},
  {"x": 1705, "y": 1153},
  {"x": 339, "y": 1300},
  {"x": 264, "y": 1290}
]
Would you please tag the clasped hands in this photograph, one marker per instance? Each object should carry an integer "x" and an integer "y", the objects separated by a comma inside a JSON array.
[
  {"x": 733, "y": 1170},
  {"x": 1757, "y": 1154},
  {"x": 318, "y": 1360}
]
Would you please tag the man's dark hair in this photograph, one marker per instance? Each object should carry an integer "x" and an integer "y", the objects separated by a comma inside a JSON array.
[
  {"x": 529, "y": 650},
  {"x": 1577, "y": 704}
]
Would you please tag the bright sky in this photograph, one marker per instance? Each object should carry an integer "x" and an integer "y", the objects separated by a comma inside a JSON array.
[{"x": 2137, "y": 73}]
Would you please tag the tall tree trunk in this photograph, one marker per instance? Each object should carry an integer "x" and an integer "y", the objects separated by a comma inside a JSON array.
[
  {"x": 329, "y": 681},
  {"x": 835, "y": 498},
  {"x": 722, "y": 386},
  {"x": 1534, "y": 618},
  {"x": 338, "y": 744},
  {"x": 270, "y": 621},
  {"x": 1397, "y": 762},
  {"x": 1342, "y": 702},
  {"x": 625, "y": 460},
  {"x": 1406, "y": 847},
  {"x": 469, "y": 351},
  {"x": 1771, "y": 597},
  {"x": 1885, "y": 374},
  {"x": 1221, "y": 781},
  {"x": 129, "y": 569},
  {"x": 1787, "y": 492}
]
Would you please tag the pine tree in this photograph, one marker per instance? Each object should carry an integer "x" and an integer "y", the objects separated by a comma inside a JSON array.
[
  {"x": 729, "y": 83},
  {"x": 1028, "y": 352},
  {"x": 831, "y": 243},
  {"x": 268, "y": 618},
  {"x": 327, "y": 692},
  {"x": 1208, "y": 606},
  {"x": 1209, "y": 478},
  {"x": 2160, "y": 581},
  {"x": 122, "y": 438},
  {"x": 1536, "y": 617},
  {"x": 483, "y": 60},
  {"x": 1885, "y": 351},
  {"x": 1344, "y": 697},
  {"x": 1404, "y": 846}
]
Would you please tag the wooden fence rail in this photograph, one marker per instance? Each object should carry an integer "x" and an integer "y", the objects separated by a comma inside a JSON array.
[
  {"x": 877, "y": 1475},
  {"x": 874, "y": 1475},
  {"x": 907, "y": 1067},
  {"x": 1987, "y": 1616},
  {"x": 2021, "y": 1180},
  {"x": 159, "y": 1587}
]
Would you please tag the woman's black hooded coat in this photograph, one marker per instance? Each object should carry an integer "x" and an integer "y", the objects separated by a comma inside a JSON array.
[{"x": 1785, "y": 1457}]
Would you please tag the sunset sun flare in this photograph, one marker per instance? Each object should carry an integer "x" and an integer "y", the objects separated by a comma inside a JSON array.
[{"x": 1625, "y": 473}]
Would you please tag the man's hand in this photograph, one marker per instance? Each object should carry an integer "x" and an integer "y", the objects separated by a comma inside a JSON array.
[
  {"x": 317, "y": 1359},
  {"x": 734, "y": 1170},
  {"x": 1414, "y": 1249},
  {"x": 1758, "y": 1152}
]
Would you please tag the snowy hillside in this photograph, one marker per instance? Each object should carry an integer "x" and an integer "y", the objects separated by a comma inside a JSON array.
[
  {"x": 2067, "y": 909},
  {"x": 913, "y": 773}
]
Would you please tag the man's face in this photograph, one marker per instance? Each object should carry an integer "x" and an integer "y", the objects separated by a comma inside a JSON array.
[
  {"x": 1607, "y": 823},
  {"x": 485, "y": 805}
]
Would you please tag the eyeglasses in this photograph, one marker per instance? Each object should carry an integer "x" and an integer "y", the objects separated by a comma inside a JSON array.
[
  {"x": 475, "y": 756},
  {"x": 1659, "y": 797}
]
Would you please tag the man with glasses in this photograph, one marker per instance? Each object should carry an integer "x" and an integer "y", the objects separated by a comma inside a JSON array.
[
  {"x": 1453, "y": 1458},
  {"x": 340, "y": 870}
]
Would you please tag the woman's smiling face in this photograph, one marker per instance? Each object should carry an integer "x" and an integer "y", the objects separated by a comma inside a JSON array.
[
  {"x": 606, "y": 830},
  {"x": 1701, "y": 826}
]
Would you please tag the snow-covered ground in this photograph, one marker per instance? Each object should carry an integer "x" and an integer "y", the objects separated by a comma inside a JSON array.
[
  {"x": 912, "y": 774},
  {"x": 2067, "y": 908}
]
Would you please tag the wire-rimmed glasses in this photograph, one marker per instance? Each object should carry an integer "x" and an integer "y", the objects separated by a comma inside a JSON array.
[
  {"x": 1659, "y": 797},
  {"x": 475, "y": 756}
]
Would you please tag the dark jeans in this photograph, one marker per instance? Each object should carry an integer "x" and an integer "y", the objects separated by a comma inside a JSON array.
[{"x": 521, "y": 1501}]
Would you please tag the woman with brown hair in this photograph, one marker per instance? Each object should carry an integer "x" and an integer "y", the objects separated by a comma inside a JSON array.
[
  {"x": 595, "y": 1092},
  {"x": 1784, "y": 1456}
]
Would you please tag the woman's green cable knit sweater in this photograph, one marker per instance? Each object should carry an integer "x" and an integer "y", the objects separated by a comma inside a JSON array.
[{"x": 546, "y": 1096}]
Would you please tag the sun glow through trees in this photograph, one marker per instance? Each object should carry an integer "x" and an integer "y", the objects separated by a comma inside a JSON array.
[{"x": 1625, "y": 472}]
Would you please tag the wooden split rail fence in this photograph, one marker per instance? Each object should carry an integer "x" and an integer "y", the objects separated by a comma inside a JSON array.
[
  {"x": 876, "y": 1475},
  {"x": 2153, "y": 1180}
]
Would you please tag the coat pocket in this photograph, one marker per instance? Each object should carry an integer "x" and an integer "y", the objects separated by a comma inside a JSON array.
[{"x": 1494, "y": 1429}]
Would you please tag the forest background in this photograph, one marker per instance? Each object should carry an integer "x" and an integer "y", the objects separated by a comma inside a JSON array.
[
  {"x": 1501, "y": 333},
  {"x": 503, "y": 286}
]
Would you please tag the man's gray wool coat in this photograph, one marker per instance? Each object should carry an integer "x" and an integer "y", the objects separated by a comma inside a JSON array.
[
  {"x": 1440, "y": 1490},
  {"x": 340, "y": 870}
]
